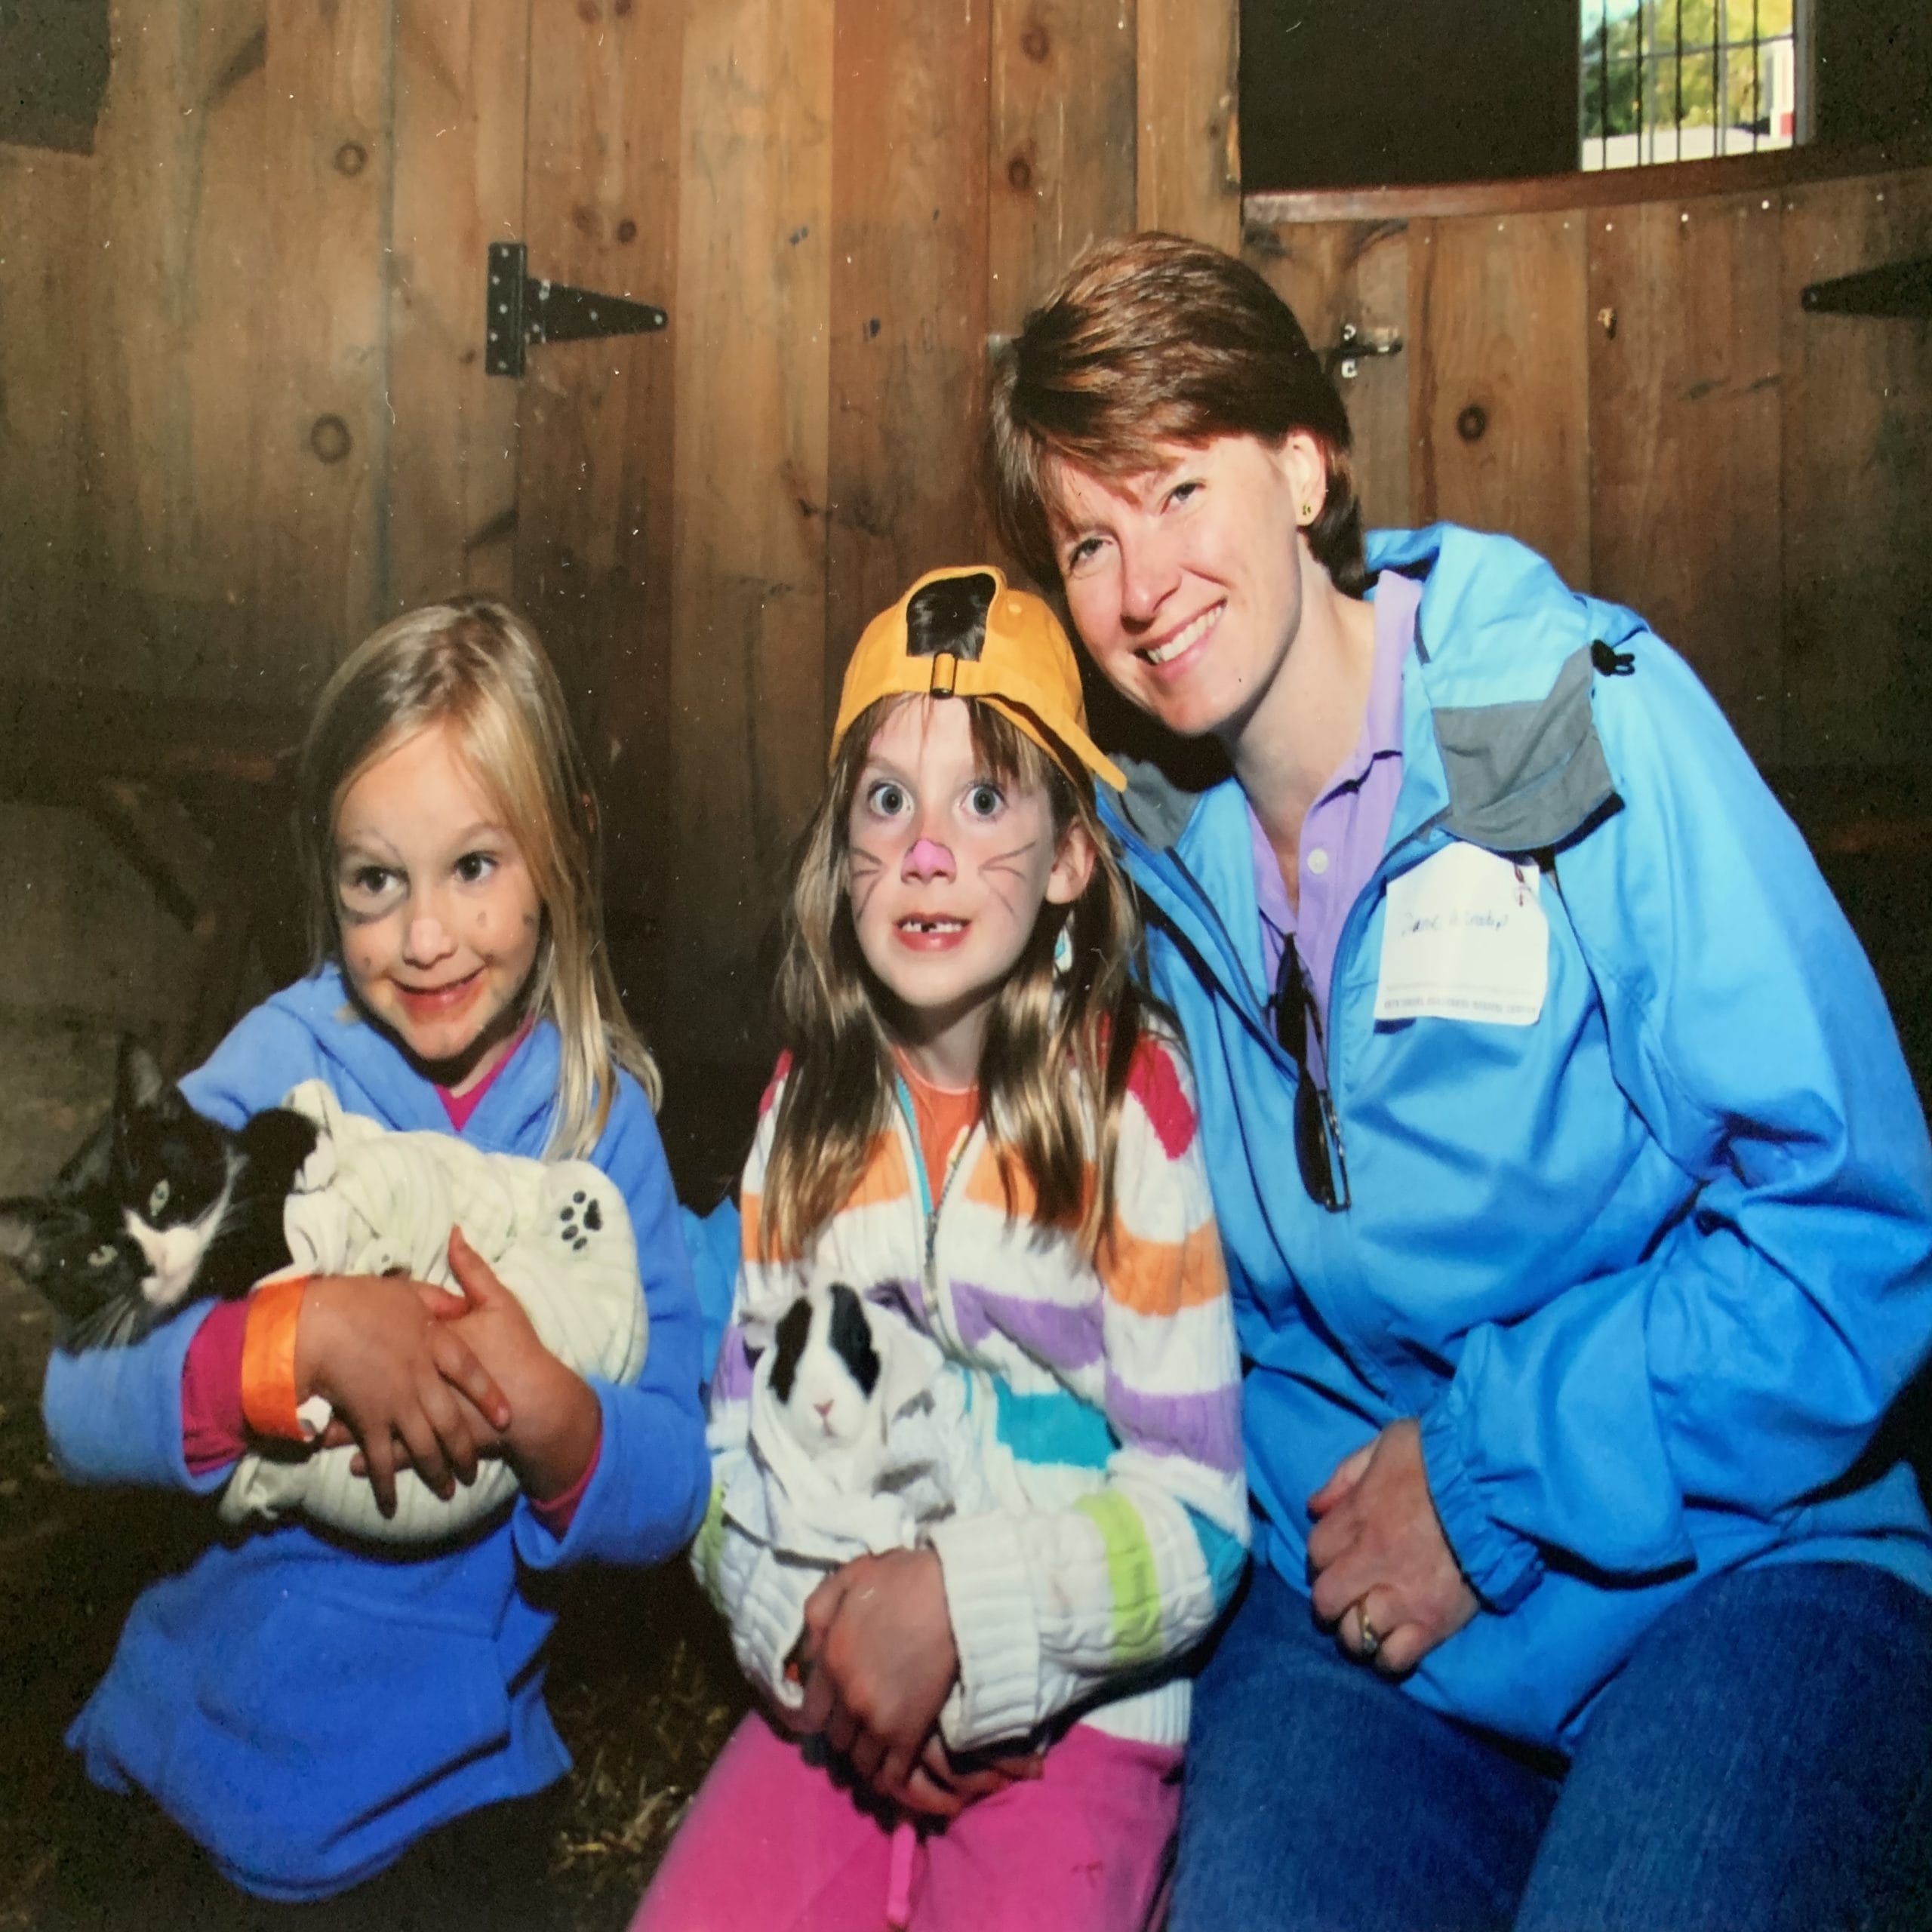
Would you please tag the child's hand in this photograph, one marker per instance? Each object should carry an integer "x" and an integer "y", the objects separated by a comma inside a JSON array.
[
  {"x": 940, "y": 1786},
  {"x": 878, "y": 1643},
  {"x": 401, "y": 1378},
  {"x": 557, "y": 1422}
]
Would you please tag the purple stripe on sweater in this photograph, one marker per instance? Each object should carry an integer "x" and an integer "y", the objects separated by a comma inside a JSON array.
[
  {"x": 1062, "y": 1338},
  {"x": 1206, "y": 1428},
  {"x": 733, "y": 1381}
]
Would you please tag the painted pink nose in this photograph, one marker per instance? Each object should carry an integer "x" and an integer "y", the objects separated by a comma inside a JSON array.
[
  {"x": 928, "y": 858},
  {"x": 426, "y": 939}
]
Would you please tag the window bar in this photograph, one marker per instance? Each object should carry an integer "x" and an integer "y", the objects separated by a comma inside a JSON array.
[
  {"x": 1602, "y": 78},
  {"x": 1720, "y": 107},
  {"x": 1677, "y": 80},
  {"x": 1757, "y": 75},
  {"x": 1642, "y": 7}
]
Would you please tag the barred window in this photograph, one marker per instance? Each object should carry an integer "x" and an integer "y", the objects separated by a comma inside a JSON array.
[{"x": 1691, "y": 80}]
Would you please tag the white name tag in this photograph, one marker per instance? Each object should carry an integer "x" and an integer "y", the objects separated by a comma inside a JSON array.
[{"x": 1464, "y": 937}]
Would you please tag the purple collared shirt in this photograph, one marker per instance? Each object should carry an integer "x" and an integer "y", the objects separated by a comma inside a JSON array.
[{"x": 1346, "y": 830}]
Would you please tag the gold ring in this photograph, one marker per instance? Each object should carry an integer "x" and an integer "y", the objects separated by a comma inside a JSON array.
[{"x": 1371, "y": 1643}]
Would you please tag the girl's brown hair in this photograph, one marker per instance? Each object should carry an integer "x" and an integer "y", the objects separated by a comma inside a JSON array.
[
  {"x": 1149, "y": 341},
  {"x": 1053, "y": 1070},
  {"x": 475, "y": 666}
]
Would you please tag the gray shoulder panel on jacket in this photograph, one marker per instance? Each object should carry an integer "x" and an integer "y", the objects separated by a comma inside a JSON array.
[{"x": 1522, "y": 776}]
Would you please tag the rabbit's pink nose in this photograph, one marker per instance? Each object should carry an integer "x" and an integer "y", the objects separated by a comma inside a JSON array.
[{"x": 824, "y": 1408}]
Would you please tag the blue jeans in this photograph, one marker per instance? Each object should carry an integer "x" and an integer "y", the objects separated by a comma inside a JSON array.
[{"x": 1763, "y": 1760}]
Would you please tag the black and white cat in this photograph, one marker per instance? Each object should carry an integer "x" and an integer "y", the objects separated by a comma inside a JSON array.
[{"x": 159, "y": 1206}]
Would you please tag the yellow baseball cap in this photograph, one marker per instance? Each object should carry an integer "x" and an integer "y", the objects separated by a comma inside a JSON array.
[{"x": 963, "y": 633}]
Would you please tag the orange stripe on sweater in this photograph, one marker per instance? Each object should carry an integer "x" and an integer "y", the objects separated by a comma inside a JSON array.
[{"x": 1157, "y": 1278}]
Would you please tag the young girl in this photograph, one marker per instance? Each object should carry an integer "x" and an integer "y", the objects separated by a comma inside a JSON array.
[
  {"x": 306, "y": 1707},
  {"x": 976, "y": 1121}
]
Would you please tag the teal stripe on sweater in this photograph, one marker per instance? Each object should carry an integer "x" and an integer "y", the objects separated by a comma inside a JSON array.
[
  {"x": 1055, "y": 1426},
  {"x": 1224, "y": 1556}
]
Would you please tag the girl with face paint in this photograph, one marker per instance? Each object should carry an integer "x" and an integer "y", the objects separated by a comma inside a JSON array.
[
  {"x": 309, "y": 1710},
  {"x": 980, "y": 1120}
]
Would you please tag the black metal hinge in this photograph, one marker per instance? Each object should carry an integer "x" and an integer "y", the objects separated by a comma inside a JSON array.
[
  {"x": 1898, "y": 288},
  {"x": 519, "y": 311}
]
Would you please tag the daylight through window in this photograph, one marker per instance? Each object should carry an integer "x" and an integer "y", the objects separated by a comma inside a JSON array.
[{"x": 1687, "y": 80}]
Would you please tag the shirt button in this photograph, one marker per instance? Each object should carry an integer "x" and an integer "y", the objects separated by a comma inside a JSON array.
[{"x": 1318, "y": 862}]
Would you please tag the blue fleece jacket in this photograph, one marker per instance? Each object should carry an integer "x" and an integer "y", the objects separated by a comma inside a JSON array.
[
  {"x": 1651, "y": 1270},
  {"x": 302, "y": 1708}
]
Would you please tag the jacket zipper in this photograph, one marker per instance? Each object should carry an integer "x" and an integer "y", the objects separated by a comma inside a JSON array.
[{"x": 929, "y": 1208}]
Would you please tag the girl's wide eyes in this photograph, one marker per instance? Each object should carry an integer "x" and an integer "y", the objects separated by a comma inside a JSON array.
[
  {"x": 887, "y": 797},
  {"x": 364, "y": 884},
  {"x": 984, "y": 799}
]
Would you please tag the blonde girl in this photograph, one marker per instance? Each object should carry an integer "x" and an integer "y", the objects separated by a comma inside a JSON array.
[
  {"x": 978, "y": 1121},
  {"x": 307, "y": 1709}
]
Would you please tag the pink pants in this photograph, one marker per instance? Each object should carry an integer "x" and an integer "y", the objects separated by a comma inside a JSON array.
[{"x": 771, "y": 1844}]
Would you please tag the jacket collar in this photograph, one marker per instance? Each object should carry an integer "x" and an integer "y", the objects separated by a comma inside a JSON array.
[{"x": 1500, "y": 745}]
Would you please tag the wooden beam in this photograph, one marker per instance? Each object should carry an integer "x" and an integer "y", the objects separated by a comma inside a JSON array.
[
  {"x": 750, "y": 337},
  {"x": 1061, "y": 163},
  {"x": 1187, "y": 162}
]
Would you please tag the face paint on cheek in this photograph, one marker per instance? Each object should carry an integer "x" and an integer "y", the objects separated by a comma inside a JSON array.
[
  {"x": 865, "y": 869},
  {"x": 1005, "y": 874}
]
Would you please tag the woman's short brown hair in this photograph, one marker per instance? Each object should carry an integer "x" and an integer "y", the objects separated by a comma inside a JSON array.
[{"x": 1150, "y": 341}]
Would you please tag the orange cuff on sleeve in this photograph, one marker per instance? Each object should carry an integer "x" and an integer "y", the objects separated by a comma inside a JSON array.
[{"x": 268, "y": 1360}]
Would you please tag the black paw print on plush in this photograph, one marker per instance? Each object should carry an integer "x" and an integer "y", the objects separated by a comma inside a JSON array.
[{"x": 578, "y": 1216}]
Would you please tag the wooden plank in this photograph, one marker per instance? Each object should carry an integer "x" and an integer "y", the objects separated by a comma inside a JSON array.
[
  {"x": 1335, "y": 273},
  {"x": 173, "y": 324},
  {"x": 323, "y": 425},
  {"x": 1671, "y": 181},
  {"x": 909, "y": 103},
  {"x": 1499, "y": 380},
  {"x": 750, "y": 338},
  {"x": 594, "y": 501},
  {"x": 44, "y": 281},
  {"x": 1061, "y": 154},
  {"x": 462, "y": 87},
  {"x": 1857, "y": 482},
  {"x": 1187, "y": 162},
  {"x": 1684, "y": 415}
]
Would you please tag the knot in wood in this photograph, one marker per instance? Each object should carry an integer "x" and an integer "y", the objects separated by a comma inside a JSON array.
[
  {"x": 627, "y": 231},
  {"x": 1471, "y": 423},
  {"x": 351, "y": 158},
  {"x": 329, "y": 437},
  {"x": 1019, "y": 173},
  {"x": 1034, "y": 43}
]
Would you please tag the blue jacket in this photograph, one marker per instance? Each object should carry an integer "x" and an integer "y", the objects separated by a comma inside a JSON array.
[
  {"x": 1650, "y": 1270},
  {"x": 306, "y": 1711}
]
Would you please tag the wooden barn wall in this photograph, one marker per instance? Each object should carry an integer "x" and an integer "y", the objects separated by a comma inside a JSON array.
[
  {"x": 1619, "y": 371},
  {"x": 244, "y": 417}
]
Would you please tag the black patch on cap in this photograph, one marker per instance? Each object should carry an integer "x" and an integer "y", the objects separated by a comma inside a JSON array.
[{"x": 949, "y": 616}]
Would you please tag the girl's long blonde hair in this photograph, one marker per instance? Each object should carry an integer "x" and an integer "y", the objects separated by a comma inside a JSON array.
[
  {"x": 1054, "y": 1069},
  {"x": 476, "y": 666}
]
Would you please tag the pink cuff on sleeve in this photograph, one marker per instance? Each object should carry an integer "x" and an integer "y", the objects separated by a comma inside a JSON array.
[
  {"x": 557, "y": 1514},
  {"x": 213, "y": 1432}
]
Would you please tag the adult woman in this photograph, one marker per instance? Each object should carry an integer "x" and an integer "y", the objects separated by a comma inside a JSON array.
[{"x": 1577, "y": 1204}]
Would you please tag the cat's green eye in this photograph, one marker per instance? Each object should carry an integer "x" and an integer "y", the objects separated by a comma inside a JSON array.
[
  {"x": 102, "y": 1256},
  {"x": 157, "y": 1200}
]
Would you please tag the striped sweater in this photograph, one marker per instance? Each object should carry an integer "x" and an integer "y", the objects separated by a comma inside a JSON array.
[{"x": 1117, "y": 1387}]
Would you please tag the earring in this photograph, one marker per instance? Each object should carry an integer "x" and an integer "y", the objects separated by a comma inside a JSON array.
[
  {"x": 1063, "y": 953},
  {"x": 1308, "y": 512}
]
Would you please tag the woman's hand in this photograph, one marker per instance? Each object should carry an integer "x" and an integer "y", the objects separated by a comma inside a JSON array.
[
  {"x": 1379, "y": 1558},
  {"x": 407, "y": 1385},
  {"x": 880, "y": 1661},
  {"x": 555, "y": 1421}
]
